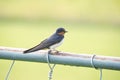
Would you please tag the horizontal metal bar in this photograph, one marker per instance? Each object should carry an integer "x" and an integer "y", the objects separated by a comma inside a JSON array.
[{"x": 64, "y": 58}]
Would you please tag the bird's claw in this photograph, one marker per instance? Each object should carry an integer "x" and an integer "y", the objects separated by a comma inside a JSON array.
[{"x": 53, "y": 52}]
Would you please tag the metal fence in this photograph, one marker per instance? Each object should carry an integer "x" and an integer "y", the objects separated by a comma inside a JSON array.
[{"x": 63, "y": 58}]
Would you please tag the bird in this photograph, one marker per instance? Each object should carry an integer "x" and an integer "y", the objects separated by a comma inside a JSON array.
[{"x": 52, "y": 42}]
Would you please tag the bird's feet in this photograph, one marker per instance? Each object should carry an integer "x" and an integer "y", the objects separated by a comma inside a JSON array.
[{"x": 53, "y": 52}]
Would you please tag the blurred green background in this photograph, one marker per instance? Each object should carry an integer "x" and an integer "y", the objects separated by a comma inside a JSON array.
[{"x": 93, "y": 28}]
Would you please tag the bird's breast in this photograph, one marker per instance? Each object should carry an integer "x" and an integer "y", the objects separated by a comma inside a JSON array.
[{"x": 56, "y": 45}]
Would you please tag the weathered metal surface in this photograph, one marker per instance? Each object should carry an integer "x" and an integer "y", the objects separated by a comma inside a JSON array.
[{"x": 64, "y": 58}]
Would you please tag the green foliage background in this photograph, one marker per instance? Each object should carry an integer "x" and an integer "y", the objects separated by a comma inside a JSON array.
[{"x": 93, "y": 28}]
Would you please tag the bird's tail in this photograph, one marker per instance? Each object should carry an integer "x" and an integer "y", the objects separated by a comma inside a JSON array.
[
  {"x": 27, "y": 51},
  {"x": 36, "y": 48}
]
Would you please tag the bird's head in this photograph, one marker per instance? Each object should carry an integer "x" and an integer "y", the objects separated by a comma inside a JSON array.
[{"x": 61, "y": 31}]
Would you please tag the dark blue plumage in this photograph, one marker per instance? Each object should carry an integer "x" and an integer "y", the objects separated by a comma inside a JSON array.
[{"x": 50, "y": 43}]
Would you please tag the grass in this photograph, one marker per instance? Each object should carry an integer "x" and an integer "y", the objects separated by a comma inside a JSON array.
[
  {"x": 81, "y": 38},
  {"x": 65, "y": 10}
]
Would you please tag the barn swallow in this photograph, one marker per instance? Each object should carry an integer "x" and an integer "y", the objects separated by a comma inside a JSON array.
[{"x": 51, "y": 43}]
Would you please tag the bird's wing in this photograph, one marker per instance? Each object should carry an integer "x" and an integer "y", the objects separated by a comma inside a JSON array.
[
  {"x": 37, "y": 47},
  {"x": 44, "y": 44}
]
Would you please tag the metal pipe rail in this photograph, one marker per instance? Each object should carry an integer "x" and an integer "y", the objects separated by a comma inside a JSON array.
[{"x": 64, "y": 58}]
